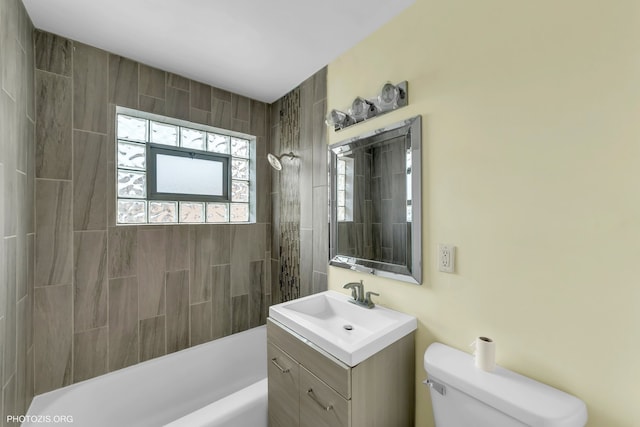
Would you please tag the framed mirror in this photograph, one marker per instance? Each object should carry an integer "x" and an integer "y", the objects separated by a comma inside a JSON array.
[{"x": 375, "y": 202}]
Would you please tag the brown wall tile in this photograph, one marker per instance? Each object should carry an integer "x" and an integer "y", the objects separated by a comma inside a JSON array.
[
  {"x": 21, "y": 244},
  {"x": 241, "y": 243},
  {"x": 31, "y": 267},
  {"x": 89, "y": 181},
  {"x": 220, "y": 243},
  {"x": 221, "y": 299},
  {"x": 53, "y": 53},
  {"x": 220, "y": 114},
  {"x": 256, "y": 294},
  {"x": 10, "y": 315},
  {"x": 177, "y": 103},
  {"x": 239, "y": 126},
  {"x": 306, "y": 113},
  {"x": 151, "y": 275},
  {"x": 123, "y": 81},
  {"x": 199, "y": 116},
  {"x": 54, "y": 239},
  {"x": 123, "y": 322},
  {"x": 53, "y": 132},
  {"x": 201, "y": 323},
  {"x": 2, "y": 344},
  {"x": 319, "y": 143},
  {"x": 29, "y": 382},
  {"x": 21, "y": 355},
  {"x": 52, "y": 340},
  {"x": 239, "y": 313},
  {"x": 9, "y": 398},
  {"x": 152, "y": 105},
  {"x": 123, "y": 253},
  {"x": 240, "y": 107},
  {"x": 152, "y": 338},
  {"x": 306, "y": 261},
  {"x": 90, "y": 354},
  {"x": 90, "y": 88},
  {"x": 178, "y": 82},
  {"x": 220, "y": 94},
  {"x": 201, "y": 247},
  {"x": 152, "y": 82},
  {"x": 258, "y": 119},
  {"x": 31, "y": 186},
  {"x": 200, "y": 96},
  {"x": 11, "y": 49},
  {"x": 177, "y": 310},
  {"x": 90, "y": 280},
  {"x": 320, "y": 85},
  {"x": 177, "y": 248},
  {"x": 320, "y": 229},
  {"x": 306, "y": 183},
  {"x": 275, "y": 282},
  {"x": 319, "y": 282}
]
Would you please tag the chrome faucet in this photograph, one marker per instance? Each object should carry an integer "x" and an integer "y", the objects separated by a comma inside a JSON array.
[
  {"x": 358, "y": 294},
  {"x": 357, "y": 289}
]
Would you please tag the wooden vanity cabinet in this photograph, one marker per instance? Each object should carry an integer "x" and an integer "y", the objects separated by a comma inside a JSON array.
[{"x": 310, "y": 388}]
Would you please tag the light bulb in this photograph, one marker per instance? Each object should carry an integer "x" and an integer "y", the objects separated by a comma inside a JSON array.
[
  {"x": 362, "y": 109},
  {"x": 389, "y": 95},
  {"x": 338, "y": 119}
]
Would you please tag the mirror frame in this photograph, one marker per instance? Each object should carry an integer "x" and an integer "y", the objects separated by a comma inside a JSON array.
[{"x": 411, "y": 272}]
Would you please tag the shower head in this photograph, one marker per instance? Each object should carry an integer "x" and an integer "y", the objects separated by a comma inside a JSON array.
[{"x": 274, "y": 161}]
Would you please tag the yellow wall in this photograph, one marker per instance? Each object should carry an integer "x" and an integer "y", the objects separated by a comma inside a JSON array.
[{"x": 531, "y": 116}]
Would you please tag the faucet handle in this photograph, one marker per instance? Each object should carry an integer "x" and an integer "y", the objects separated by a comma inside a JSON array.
[{"x": 368, "y": 300}]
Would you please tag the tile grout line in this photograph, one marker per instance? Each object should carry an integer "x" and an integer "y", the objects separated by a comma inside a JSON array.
[
  {"x": 73, "y": 252},
  {"x": 108, "y": 279},
  {"x": 56, "y": 74}
]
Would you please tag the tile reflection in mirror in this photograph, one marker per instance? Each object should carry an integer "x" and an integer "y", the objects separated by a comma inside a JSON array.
[{"x": 375, "y": 193}]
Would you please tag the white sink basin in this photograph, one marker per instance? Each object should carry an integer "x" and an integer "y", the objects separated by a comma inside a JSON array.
[{"x": 349, "y": 332}]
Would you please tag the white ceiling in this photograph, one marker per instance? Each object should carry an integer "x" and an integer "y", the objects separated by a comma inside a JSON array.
[{"x": 257, "y": 48}]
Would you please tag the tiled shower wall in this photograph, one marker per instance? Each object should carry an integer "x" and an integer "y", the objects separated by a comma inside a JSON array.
[
  {"x": 17, "y": 115},
  {"x": 107, "y": 297},
  {"x": 312, "y": 182}
]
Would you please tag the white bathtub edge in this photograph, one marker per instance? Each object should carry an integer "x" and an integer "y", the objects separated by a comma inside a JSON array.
[{"x": 246, "y": 407}]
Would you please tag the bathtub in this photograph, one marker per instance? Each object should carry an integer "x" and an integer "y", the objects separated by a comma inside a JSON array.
[{"x": 216, "y": 384}]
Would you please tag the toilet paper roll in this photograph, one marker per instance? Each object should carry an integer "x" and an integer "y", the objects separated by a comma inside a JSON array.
[{"x": 485, "y": 353}]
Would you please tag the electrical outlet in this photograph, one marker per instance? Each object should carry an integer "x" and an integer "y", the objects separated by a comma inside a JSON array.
[{"x": 446, "y": 258}]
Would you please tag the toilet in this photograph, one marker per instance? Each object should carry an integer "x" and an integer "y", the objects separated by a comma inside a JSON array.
[{"x": 465, "y": 396}]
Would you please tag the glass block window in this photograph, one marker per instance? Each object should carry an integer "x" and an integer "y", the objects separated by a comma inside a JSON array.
[
  {"x": 217, "y": 173},
  {"x": 344, "y": 202}
]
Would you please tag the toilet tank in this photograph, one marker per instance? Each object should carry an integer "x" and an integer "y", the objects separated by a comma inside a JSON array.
[{"x": 465, "y": 396}]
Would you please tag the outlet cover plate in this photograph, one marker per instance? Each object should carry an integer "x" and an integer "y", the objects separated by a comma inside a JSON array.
[{"x": 446, "y": 258}]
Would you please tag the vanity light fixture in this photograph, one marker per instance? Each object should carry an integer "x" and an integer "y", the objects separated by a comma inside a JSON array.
[{"x": 391, "y": 98}]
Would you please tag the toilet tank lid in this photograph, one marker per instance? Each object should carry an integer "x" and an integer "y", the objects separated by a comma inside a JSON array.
[{"x": 527, "y": 400}]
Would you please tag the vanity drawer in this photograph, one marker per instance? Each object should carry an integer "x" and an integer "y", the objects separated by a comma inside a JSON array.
[
  {"x": 333, "y": 372},
  {"x": 284, "y": 375},
  {"x": 320, "y": 405}
]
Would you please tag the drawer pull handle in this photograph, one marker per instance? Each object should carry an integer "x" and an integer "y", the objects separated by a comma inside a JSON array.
[
  {"x": 312, "y": 395},
  {"x": 275, "y": 362}
]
